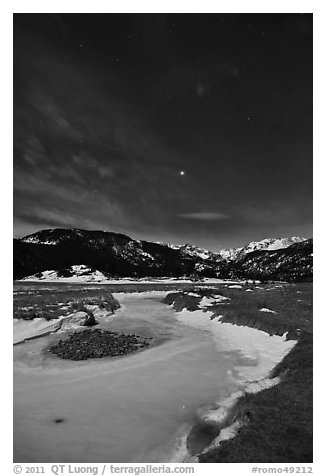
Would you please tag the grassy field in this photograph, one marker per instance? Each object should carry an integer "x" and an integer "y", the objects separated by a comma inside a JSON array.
[
  {"x": 278, "y": 421},
  {"x": 51, "y": 300},
  {"x": 291, "y": 303}
]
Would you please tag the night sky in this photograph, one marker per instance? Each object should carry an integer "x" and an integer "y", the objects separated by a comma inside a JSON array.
[{"x": 180, "y": 128}]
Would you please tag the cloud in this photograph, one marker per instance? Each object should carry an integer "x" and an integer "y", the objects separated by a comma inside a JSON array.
[
  {"x": 206, "y": 216},
  {"x": 83, "y": 151},
  {"x": 105, "y": 172}
]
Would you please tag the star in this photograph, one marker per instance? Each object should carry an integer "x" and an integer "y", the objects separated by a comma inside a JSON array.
[{"x": 182, "y": 173}]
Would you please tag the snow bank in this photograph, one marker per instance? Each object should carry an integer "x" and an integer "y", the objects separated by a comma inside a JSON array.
[
  {"x": 259, "y": 353},
  {"x": 220, "y": 415},
  {"x": 256, "y": 347},
  {"x": 35, "y": 328},
  {"x": 226, "y": 433}
]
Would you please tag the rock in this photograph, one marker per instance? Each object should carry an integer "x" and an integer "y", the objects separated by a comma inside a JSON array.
[
  {"x": 201, "y": 435},
  {"x": 89, "y": 320},
  {"x": 80, "y": 318}
]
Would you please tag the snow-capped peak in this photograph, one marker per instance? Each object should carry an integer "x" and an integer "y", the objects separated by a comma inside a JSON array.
[
  {"x": 230, "y": 254},
  {"x": 267, "y": 244},
  {"x": 195, "y": 251}
]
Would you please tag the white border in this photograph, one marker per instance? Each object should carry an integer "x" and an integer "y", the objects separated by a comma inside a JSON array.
[{"x": 167, "y": 6}]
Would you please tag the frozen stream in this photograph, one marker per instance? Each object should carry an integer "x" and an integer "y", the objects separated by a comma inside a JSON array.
[{"x": 131, "y": 409}]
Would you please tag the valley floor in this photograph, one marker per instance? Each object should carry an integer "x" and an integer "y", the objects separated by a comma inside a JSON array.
[{"x": 149, "y": 406}]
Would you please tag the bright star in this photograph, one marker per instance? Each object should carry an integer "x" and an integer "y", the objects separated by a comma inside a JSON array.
[{"x": 182, "y": 172}]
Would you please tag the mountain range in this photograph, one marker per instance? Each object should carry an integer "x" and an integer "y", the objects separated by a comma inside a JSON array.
[
  {"x": 268, "y": 244},
  {"x": 116, "y": 255}
]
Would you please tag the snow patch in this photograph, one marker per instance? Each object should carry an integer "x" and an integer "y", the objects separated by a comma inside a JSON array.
[
  {"x": 205, "y": 302},
  {"x": 35, "y": 240},
  {"x": 83, "y": 274},
  {"x": 227, "y": 433},
  {"x": 78, "y": 273},
  {"x": 211, "y": 301},
  {"x": 265, "y": 309}
]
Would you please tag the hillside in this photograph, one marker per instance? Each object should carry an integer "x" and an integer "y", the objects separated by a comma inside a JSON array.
[
  {"x": 111, "y": 253},
  {"x": 293, "y": 264},
  {"x": 117, "y": 255}
]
